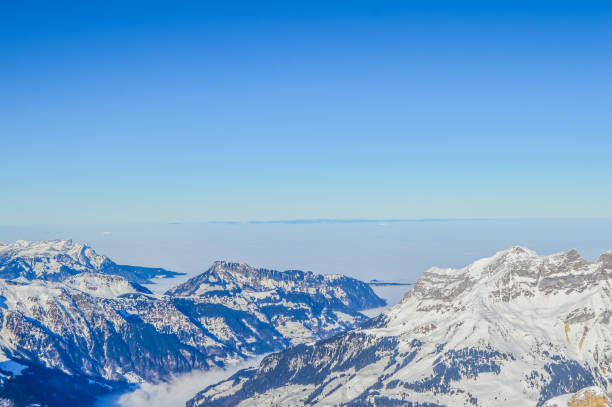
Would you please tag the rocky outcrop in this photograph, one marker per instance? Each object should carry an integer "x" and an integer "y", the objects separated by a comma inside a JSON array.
[{"x": 588, "y": 397}]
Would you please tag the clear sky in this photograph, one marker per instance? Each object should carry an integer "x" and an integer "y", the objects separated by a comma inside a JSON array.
[{"x": 224, "y": 110}]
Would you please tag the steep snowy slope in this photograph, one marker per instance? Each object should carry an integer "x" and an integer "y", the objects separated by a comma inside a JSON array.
[
  {"x": 302, "y": 306},
  {"x": 121, "y": 335},
  {"x": 55, "y": 260},
  {"x": 104, "y": 285},
  {"x": 515, "y": 329}
]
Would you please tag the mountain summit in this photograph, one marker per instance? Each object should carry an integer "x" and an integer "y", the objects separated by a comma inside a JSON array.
[
  {"x": 236, "y": 277},
  {"x": 56, "y": 260},
  {"x": 512, "y": 329},
  {"x": 301, "y": 305}
]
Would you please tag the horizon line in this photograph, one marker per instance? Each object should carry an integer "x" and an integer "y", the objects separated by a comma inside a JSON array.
[
  {"x": 391, "y": 220},
  {"x": 334, "y": 220},
  {"x": 305, "y": 221}
]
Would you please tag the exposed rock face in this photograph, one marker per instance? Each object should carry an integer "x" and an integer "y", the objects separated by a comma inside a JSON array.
[
  {"x": 94, "y": 332},
  {"x": 56, "y": 260},
  {"x": 588, "y": 397},
  {"x": 515, "y": 329}
]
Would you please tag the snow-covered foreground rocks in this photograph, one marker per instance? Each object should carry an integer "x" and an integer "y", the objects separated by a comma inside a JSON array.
[
  {"x": 515, "y": 329},
  {"x": 589, "y": 397}
]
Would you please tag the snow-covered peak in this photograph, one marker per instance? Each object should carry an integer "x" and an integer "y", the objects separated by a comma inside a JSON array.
[
  {"x": 56, "y": 260},
  {"x": 232, "y": 277},
  {"x": 606, "y": 258},
  {"x": 265, "y": 279},
  {"x": 53, "y": 249},
  {"x": 512, "y": 273},
  {"x": 513, "y": 329},
  {"x": 514, "y": 301},
  {"x": 45, "y": 259}
]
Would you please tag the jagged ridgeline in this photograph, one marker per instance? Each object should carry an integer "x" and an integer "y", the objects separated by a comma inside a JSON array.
[
  {"x": 71, "y": 329},
  {"x": 515, "y": 329}
]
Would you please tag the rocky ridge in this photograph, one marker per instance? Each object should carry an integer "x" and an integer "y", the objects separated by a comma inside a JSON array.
[{"x": 513, "y": 329}]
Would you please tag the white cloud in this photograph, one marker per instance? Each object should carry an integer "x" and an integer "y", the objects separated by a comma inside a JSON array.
[{"x": 176, "y": 392}]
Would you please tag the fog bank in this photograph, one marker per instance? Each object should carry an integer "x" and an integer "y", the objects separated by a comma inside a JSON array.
[{"x": 176, "y": 392}]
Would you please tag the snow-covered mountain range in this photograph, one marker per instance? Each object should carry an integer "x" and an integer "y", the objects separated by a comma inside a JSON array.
[
  {"x": 56, "y": 260},
  {"x": 302, "y": 306},
  {"x": 93, "y": 332},
  {"x": 515, "y": 329},
  {"x": 238, "y": 277}
]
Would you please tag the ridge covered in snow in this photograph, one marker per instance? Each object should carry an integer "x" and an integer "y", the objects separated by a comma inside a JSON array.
[
  {"x": 56, "y": 260},
  {"x": 512, "y": 329},
  {"x": 91, "y": 333},
  {"x": 301, "y": 306},
  {"x": 236, "y": 277},
  {"x": 105, "y": 285}
]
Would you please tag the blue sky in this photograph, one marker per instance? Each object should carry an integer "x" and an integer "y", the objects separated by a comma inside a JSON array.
[{"x": 155, "y": 112}]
